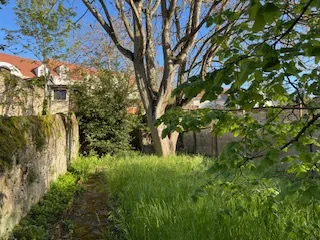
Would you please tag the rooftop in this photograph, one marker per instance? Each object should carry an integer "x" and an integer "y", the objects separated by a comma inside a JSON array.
[{"x": 27, "y": 66}]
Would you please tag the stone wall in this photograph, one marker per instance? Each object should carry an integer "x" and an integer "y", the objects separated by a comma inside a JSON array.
[
  {"x": 59, "y": 106},
  {"x": 34, "y": 151},
  {"x": 206, "y": 143},
  {"x": 19, "y": 97}
]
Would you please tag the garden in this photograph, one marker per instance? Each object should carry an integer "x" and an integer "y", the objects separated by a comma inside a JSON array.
[
  {"x": 157, "y": 71},
  {"x": 149, "y": 197}
]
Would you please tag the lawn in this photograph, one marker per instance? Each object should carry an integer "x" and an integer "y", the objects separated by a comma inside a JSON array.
[{"x": 175, "y": 198}]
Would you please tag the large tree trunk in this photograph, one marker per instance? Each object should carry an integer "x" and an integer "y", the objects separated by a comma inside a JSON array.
[
  {"x": 155, "y": 108},
  {"x": 162, "y": 146}
]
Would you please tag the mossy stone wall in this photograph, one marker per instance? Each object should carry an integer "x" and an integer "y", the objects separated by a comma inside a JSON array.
[{"x": 34, "y": 151}]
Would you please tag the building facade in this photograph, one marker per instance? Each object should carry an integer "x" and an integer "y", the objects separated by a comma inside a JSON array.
[{"x": 24, "y": 83}]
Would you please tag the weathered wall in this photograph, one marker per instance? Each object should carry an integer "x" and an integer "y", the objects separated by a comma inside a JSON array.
[
  {"x": 206, "y": 143},
  {"x": 58, "y": 106},
  {"x": 34, "y": 151},
  {"x": 19, "y": 97}
]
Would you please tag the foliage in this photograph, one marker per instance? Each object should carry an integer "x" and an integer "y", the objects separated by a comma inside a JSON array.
[
  {"x": 270, "y": 57},
  {"x": 35, "y": 225},
  {"x": 43, "y": 27},
  {"x": 174, "y": 198},
  {"x": 101, "y": 107},
  {"x": 3, "y": 2}
]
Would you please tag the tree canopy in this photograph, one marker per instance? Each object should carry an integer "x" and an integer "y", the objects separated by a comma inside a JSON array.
[
  {"x": 43, "y": 28},
  {"x": 269, "y": 62},
  {"x": 172, "y": 30}
]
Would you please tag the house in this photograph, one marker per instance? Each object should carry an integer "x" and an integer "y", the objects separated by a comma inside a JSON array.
[
  {"x": 58, "y": 75},
  {"x": 25, "y": 96}
]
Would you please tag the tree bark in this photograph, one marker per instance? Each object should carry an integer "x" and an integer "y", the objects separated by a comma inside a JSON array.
[{"x": 155, "y": 108}]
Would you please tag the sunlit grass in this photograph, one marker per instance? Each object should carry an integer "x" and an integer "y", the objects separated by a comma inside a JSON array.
[
  {"x": 175, "y": 198},
  {"x": 155, "y": 200}
]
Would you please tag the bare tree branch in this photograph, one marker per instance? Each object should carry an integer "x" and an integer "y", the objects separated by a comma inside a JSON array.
[
  {"x": 126, "y": 52},
  {"x": 119, "y": 6},
  {"x": 195, "y": 29}
]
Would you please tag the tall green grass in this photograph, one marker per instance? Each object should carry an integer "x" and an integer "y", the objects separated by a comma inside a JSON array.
[
  {"x": 160, "y": 198},
  {"x": 175, "y": 198}
]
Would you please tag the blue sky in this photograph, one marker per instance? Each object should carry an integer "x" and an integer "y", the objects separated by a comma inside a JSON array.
[{"x": 7, "y": 21}]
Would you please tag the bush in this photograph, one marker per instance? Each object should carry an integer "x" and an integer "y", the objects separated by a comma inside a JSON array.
[{"x": 101, "y": 107}]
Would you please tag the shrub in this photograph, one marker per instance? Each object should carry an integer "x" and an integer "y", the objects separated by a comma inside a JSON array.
[{"x": 101, "y": 107}]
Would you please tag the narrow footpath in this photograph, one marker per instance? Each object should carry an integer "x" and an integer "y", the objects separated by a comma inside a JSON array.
[{"x": 88, "y": 217}]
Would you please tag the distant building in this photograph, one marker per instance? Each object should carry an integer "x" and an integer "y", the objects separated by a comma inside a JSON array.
[
  {"x": 219, "y": 103},
  {"x": 59, "y": 76},
  {"x": 29, "y": 100}
]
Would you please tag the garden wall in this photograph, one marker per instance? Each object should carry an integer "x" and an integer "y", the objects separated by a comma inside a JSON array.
[
  {"x": 34, "y": 151},
  {"x": 204, "y": 142},
  {"x": 19, "y": 97}
]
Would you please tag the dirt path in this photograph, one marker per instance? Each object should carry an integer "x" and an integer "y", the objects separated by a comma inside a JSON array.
[{"x": 88, "y": 217}]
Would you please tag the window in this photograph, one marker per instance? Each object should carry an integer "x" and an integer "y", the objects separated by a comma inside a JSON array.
[{"x": 60, "y": 94}]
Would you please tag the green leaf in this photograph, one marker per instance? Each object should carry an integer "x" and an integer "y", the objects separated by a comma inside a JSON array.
[
  {"x": 287, "y": 159},
  {"x": 315, "y": 4},
  {"x": 271, "y": 12},
  {"x": 279, "y": 89},
  {"x": 305, "y": 157},
  {"x": 316, "y": 192},
  {"x": 254, "y": 8},
  {"x": 265, "y": 49},
  {"x": 247, "y": 67},
  {"x": 294, "y": 187},
  {"x": 258, "y": 76},
  {"x": 306, "y": 197},
  {"x": 272, "y": 63},
  {"x": 231, "y": 15},
  {"x": 210, "y": 21},
  {"x": 259, "y": 23},
  {"x": 313, "y": 51}
]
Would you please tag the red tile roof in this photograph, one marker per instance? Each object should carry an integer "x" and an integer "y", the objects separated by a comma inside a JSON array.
[
  {"x": 27, "y": 66},
  {"x": 76, "y": 72}
]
